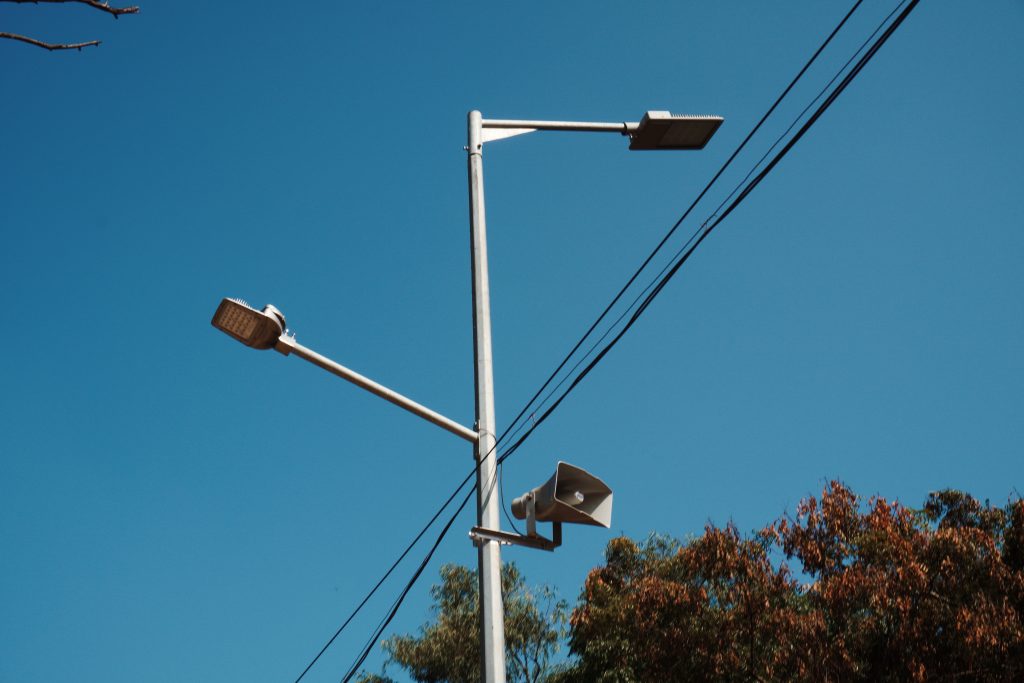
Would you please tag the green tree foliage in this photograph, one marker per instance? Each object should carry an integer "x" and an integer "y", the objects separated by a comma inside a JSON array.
[
  {"x": 884, "y": 593},
  {"x": 447, "y": 649}
]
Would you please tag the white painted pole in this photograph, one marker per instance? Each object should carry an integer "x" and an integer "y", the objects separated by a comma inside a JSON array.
[{"x": 492, "y": 619}]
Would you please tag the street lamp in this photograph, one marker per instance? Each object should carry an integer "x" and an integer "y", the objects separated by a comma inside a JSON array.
[
  {"x": 657, "y": 130},
  {"x": 572, "y": 495},
  {"x": 266, "y": 330},
  {"x": 662, "y": 130},
  {"x": 258, "y": 329}
]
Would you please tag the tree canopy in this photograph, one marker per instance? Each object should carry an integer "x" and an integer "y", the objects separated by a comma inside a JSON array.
[{"x": 845, "y": 590}]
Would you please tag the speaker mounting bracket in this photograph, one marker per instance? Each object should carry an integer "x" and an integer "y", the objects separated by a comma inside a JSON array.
[
  {"x": 479, "y": 534},
  {"x": 531, "y": 540}
]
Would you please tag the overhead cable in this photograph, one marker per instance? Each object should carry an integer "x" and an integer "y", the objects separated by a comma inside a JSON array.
[
  {"x": 736, "y": 202},
  {"x": 665, "y": 278}
]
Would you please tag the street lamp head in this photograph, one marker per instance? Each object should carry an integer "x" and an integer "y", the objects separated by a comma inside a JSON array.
[
  {"x": 258, "y": 329},
  {"x": 662, "y": 130}
]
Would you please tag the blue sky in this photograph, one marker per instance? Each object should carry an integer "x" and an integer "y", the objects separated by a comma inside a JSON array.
[{"x": 176, "y": 507}]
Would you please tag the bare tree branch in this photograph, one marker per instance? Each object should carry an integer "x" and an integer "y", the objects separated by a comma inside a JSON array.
[
  {"x": 48, "y": 46},
  {"x": 95, "y": 4}
]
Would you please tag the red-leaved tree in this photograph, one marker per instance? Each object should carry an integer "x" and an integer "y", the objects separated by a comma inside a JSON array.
[{"x": 844, "y": 590}]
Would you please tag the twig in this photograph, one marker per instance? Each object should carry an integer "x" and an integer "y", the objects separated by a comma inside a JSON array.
[
  {"x": 95, "y": 4},
  {"x": 47, "y": 46}
]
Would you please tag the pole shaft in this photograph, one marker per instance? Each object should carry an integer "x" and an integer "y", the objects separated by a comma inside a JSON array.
[{"x": 492, "y": 620}]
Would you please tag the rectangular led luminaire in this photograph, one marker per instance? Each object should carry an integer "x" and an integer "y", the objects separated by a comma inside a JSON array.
[
  {"x": 243, "y": 322},
  {"x": 662, "y": 130}
]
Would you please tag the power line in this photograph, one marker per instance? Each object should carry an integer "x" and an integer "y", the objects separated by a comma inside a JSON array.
[
  {"x": 666, "y": 277},
  {"x": 405, "y": 591},
  {"x": 689, "y": 209},
  {"x": 401, "y": 557},
  {"x": 736, "y": 202},
  {"x": 515, "y": 447},
  {"x": 385, "y": 576},
  {"x": 799, "y": 116},
  {"x": 714, "y": 213}
]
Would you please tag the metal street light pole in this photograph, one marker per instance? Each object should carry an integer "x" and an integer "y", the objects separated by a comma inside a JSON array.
[
  {"x": 492, "y": 620},
  {"x": 266, "y": 329},
  {"x": 657, "y": 130}
]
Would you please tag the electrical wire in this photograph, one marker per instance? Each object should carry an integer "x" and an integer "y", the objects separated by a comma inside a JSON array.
[
  {"x": 382, "y": 626},
  {"x": 689, "y": 209},
  {"x": 408, "y": 549},
  {"x": 513, "y": 428},
  {"x": 694, "y": 243},
  {"x": 714, "y": 213},
  {"x": 736, "y": 202},
  {"x": 384, "y": 578},
  {"x": 536, "y": 423},
  {"x": 401, "y": 598},
  {"x": 501, "y": 499},
  {"x": 806, "y": 109}
]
